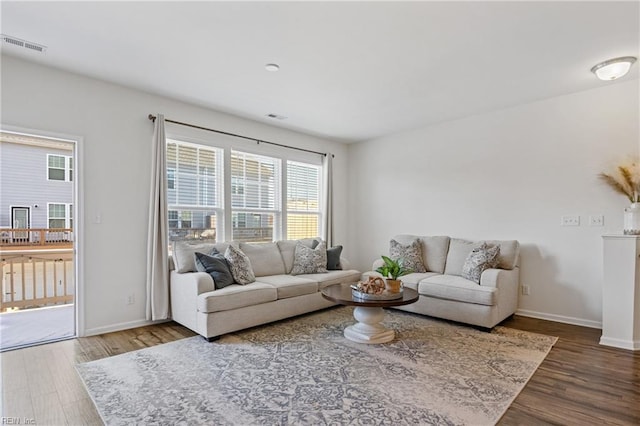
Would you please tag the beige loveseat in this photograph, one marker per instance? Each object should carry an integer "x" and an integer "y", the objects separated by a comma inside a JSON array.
[
  {"x": 275, "y": 295},
  {"x": 444, "y": 293}
]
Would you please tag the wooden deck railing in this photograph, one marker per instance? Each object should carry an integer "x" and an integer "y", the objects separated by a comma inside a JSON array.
[
  {"x": 36, "y": 237},
  {"x": 33, "y": 279}
]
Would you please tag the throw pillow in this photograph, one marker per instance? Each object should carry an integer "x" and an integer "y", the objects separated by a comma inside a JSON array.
[
  {"x": 411, "y": 255},
  {"x": 216, "y": 266},
  {"x": 309, "y": 261},
  {"x": 480, "y": 259},
  {"x": 240, "y": 265},
  {"x": 333, "y": 258}
]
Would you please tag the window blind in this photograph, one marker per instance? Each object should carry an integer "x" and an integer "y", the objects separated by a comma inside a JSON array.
[
  {"x": 255, "y": 196},
  {"x": 194, "y": 189},
  {"x": 303, "y": 200}
]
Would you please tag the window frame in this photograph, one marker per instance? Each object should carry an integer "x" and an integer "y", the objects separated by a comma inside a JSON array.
[
  {"x": 173, "y": 175},
  {"x": 68, "y": 215},
  {"x": 67, "y": 169},
  {"x": 224, "y": 215}
]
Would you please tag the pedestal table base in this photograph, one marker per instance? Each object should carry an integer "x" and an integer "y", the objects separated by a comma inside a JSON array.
[{"x": 368, "y": 329}]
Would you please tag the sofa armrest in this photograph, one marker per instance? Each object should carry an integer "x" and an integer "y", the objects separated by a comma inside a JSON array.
[
  {"x": 500, "y": 278},
  {"x": 185, "y": 289},
  {"x": 507, "y": 283},
  {"x": 194, "y": 283}
]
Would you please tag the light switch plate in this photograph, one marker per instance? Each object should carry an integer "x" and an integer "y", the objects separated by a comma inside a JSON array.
[{"x": 570, "y": 220}]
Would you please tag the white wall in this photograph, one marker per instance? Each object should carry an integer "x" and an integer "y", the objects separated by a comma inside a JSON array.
[
  {"x": 509, "y": 174},
  {"x": 117, "y": 148}
]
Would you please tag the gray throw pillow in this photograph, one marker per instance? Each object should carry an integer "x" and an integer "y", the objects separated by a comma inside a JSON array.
[
  {"x": 333, "y": 258},
  {"x": 216, "y": 266},
  {"x": 480, "y": 259},
  {"x": 309, "y": 261},
  {"x": 411, "y": 255},
  {"x": 240, "y": 266}
]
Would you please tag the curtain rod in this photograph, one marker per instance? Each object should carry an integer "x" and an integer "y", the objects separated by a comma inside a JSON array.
[{"x": 259, "y": 141}]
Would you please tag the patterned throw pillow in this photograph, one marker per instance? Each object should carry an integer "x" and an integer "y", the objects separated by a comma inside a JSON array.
[
  {"x": 480, "y": 259},
  {"x": 411, "y": 255},
  {"x": 215, "y": 265},
  {"x": 309, "y": 261},
  {"x": 239, "y": 265}
]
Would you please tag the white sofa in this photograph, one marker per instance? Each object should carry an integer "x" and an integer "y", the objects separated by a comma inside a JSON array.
[
  {"x": 275, "y": 295},
  {"x": 443, "y": 293}
]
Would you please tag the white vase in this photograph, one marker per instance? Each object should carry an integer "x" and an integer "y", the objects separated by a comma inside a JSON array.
[{"x": 632, "y": 219}]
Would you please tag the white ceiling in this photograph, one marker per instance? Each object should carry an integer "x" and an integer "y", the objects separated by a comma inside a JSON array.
[{"x": 349, "y": 71}]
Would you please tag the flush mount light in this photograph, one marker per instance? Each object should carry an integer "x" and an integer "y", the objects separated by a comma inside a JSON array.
[
  {"x": 272, "y": 67},
  {"x": 613, "y": 68}
]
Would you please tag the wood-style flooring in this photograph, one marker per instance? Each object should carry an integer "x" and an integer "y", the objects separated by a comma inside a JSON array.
[{"x": 579, "y": 383}]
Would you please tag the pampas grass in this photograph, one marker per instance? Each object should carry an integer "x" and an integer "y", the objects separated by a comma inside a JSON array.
[{"x": 626, "y": 180}]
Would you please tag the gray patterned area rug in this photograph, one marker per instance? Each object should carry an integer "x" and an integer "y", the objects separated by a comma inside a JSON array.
[{"x": 302, "y": 371}]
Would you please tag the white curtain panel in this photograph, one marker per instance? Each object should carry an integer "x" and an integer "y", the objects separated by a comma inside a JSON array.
[
  {"x": 327, "y": 164},
  {"x": 157, "y": 252}
]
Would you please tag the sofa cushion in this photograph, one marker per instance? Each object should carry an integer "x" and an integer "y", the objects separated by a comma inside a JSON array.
[
  {"x": 434, "y": 250},
  {"x": 216, "y": 266},
  {"x": 509, "y": 253},
  {"x": 265, "y": 258},
  {"x": 333, "y": 277},
  {"x": 333, "y": 258},
  {"x": 410, "y": 254},
  {"x": 452, "y": 287},
  {"x": 411, "y": 280},
  {"x": 183, "y": 253},
  {"x": 236, "y": 296},
  {"x": 480, "y": 259},
  {"x": 459, "y": 249},
  {"x": 289, "y": 285},
  {"x": 288, "y": 248},
  {"x": 240, "y": 265},
  {"x": 309, "y": 261}
]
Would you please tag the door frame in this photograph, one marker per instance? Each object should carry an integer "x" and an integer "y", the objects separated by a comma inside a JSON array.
[
  {"x": 12, "y": 208},
  {"x": 78, "y": 212}
]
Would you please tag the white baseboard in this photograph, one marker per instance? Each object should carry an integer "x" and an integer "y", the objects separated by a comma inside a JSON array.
[
  {"x": 619, "y": 343},
  {"x": 119, "y": 327},
  {"x": 559, "y": 318}
]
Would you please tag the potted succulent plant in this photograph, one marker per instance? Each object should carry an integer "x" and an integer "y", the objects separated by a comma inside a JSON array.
[{"x": 392, "y": 270}]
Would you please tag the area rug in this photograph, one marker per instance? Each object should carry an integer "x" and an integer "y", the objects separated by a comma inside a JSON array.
[{"x": 302, "y": 371}]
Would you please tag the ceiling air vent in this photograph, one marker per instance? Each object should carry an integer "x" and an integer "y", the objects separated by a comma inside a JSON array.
[
  {"x": 276, "y": 116},
  {"x": 14, "y": 41}
]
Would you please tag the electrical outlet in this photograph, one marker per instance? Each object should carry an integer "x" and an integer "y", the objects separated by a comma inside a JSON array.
[
  {"x": 131, "y": 299},
  {"x": 570, "y": 220},
  {"x": 597, "y": 220},
  {"x": 525, "y": 290}
]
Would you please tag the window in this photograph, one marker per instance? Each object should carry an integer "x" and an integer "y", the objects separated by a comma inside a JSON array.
[
  {"x": 303, "y": 200},
  {"x": 60, "y": 216},
  {"x": 194, "y": 190},
  {"x": 255, "y": 197},
  {"x": 59, "y": 167},
  {"x": 267, "y": 198}
]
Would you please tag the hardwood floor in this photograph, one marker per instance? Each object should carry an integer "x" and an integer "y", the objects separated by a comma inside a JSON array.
[{"x": 579, "y": 383}]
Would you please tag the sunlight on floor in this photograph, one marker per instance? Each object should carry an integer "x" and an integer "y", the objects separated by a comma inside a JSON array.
[{"x": 32, "y": 326}]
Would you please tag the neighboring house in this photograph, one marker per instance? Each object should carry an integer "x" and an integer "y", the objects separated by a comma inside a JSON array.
[{"x": 36, "y": 186}]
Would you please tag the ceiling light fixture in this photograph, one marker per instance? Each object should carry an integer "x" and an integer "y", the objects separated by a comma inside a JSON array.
[
  {"x": 272, "y": 67},
  {"x": 613, "y": 68}
]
